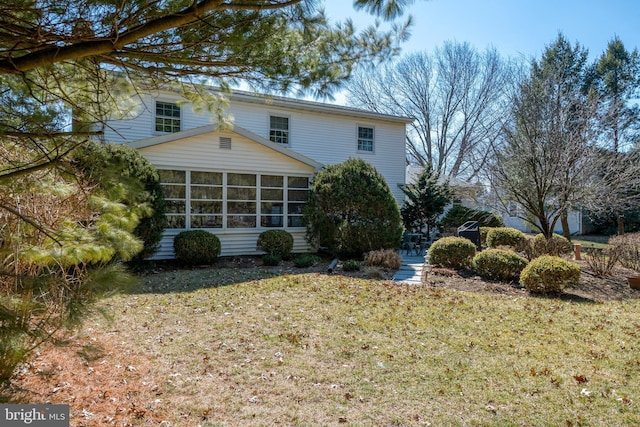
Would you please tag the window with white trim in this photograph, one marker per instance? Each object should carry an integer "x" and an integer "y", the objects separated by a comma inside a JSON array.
[
  {"x": 206, "y": 199},
  {"x": 365, "y": 138},
  {"x": 174, "y": 186},
  {"x": 167, "y": 117},
  {"x": 297, "y": 198},
  {"x": 201, "y": 199},
  {"x": 241, "y": 200},
  {"x": 272, "y": 201},
  {"x": 279, "y": 129}
]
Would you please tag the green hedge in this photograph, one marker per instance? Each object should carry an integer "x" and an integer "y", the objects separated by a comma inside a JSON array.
[
  {"x": 196, "y": 247},
  {"x": 556, "y": 246},
  {"x": 549, "y": 274},
  {"x": 276, "y": 242},
  {"x": 498, "y": 264},
  {"x": 454, "y": 252},
  {"x": 505, "y": 236}
]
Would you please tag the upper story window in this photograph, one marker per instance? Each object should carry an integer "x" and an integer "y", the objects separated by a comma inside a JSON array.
[
  {"x": 279, "y": 129},
  {"x": 167, "y": 117},
  {"x": 365, "y": 138}
]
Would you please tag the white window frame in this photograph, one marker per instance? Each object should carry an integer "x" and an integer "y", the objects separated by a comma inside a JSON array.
[
  {"x": 286, "y": 216},
  {"x": 358, "y": 139},
  {"x": 163, "y": 117},
  {"x": 280, "y": 116}
]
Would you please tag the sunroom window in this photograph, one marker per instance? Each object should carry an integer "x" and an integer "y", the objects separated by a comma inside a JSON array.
[{"x": 203, "y": 199}]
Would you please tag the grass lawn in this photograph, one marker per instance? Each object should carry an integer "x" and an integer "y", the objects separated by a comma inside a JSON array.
[{"x": 237, "y": 347}]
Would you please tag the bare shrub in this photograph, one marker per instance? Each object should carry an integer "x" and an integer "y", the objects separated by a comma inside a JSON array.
[
  {"x": 602, "y": 261},
  {"x": 383, "y": 258},
  {"x": 628, "y": 248}
]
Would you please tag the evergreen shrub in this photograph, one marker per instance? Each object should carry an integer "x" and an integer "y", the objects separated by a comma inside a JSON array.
[
  {"x": 113, "y": 166},
  {"x": 498, "y": 264},
  {"x": 549, "y": 274},
  {"x": 306, "y": 260},
  {"x": 454, "y": 252},
  {"x": 271, "y": 259},
  {"x": 276, "y": 242},
  {"x": 505, "y": 236},
  {"x": 352, "y": 210},
  {"x": 351, "y": 265},
  {"x": 196, "y": 247}
]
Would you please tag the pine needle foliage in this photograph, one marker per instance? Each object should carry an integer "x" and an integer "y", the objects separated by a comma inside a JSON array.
[
  {"x": 424, "y": 201},
  {"x": 60, "y": 244}
]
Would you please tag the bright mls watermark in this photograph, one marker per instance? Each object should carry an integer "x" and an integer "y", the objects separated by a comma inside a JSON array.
[{"x": 34, "y": 415}]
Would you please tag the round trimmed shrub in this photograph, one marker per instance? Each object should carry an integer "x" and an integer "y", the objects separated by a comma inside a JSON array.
[
  {"x": 454, "y": 252},
  {"x": 196, "y": 247},
  {"x": 505, "y": 236},
  {"x": 483, "y": 235},
  {"x": 276, "y": 242},
  {"x": 556, "y": 246},
  {"x": 549, "y": 274},
  {"x": 498, "y": 264}
]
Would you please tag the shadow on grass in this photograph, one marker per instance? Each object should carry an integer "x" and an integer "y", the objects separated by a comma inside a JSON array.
[{"x": 170, "y": 276}]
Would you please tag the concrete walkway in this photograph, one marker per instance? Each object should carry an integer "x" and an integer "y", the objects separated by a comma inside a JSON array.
[{"x": 411, "y": 269}]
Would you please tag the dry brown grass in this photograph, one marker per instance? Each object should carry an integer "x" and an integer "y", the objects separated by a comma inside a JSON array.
[{"x": 235, "y": 347}]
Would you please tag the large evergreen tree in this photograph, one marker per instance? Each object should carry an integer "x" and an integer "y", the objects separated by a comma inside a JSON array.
[
  {"x": 616, "y": 78},
  {"x": 352, "y": 210},
  {"x": 68, "y": 66}
]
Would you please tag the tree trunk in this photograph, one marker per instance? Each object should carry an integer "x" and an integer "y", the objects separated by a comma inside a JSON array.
[
  {"x": 620, "y": 223},
  {"x": 564, "y": 220}
]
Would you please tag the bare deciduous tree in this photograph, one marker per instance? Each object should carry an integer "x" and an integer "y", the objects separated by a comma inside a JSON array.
[
  {"x": 457, "y": 97},
  {"x": 549, "y": 160}
]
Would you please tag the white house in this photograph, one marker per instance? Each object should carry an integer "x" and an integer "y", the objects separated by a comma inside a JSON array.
[{"x": 254, "y": 175}]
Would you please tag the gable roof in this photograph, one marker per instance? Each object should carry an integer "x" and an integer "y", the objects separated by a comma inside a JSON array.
[
  {"x": 176, "y": 136},
  {"x": 313, "y": 106}
]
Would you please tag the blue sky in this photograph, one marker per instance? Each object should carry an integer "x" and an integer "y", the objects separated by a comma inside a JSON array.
[{"x": 513, "y": 27}]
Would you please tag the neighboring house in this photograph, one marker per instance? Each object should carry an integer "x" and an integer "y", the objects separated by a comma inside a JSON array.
[
  {"x": 473, "y": 196},
  {"x": 255, "y": 175},
  {"x": 511, "y": 216}
]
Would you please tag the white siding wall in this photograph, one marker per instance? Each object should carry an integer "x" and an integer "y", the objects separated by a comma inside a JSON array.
[
  {"x": 574, "y": 217},
  {"x": 202, "y": 153},
  {"x": 326, "y": 138}
]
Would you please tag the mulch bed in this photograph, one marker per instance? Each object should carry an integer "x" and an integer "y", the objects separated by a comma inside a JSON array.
[{"x": 591, "y": 287}]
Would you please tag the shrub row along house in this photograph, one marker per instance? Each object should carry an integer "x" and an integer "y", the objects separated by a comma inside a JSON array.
[{"x": 253, "y": 175}]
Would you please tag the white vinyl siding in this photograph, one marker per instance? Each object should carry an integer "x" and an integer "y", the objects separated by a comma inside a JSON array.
[
  {"x": 197, "y": 171},
  {"x": 326, "y": 137}
]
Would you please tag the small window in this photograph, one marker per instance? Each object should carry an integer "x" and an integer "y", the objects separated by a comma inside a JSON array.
[
  {"x": 279, "y": 129},
  {"x": 365, "y": 139},
  {"x": 167, "y": 117}
]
